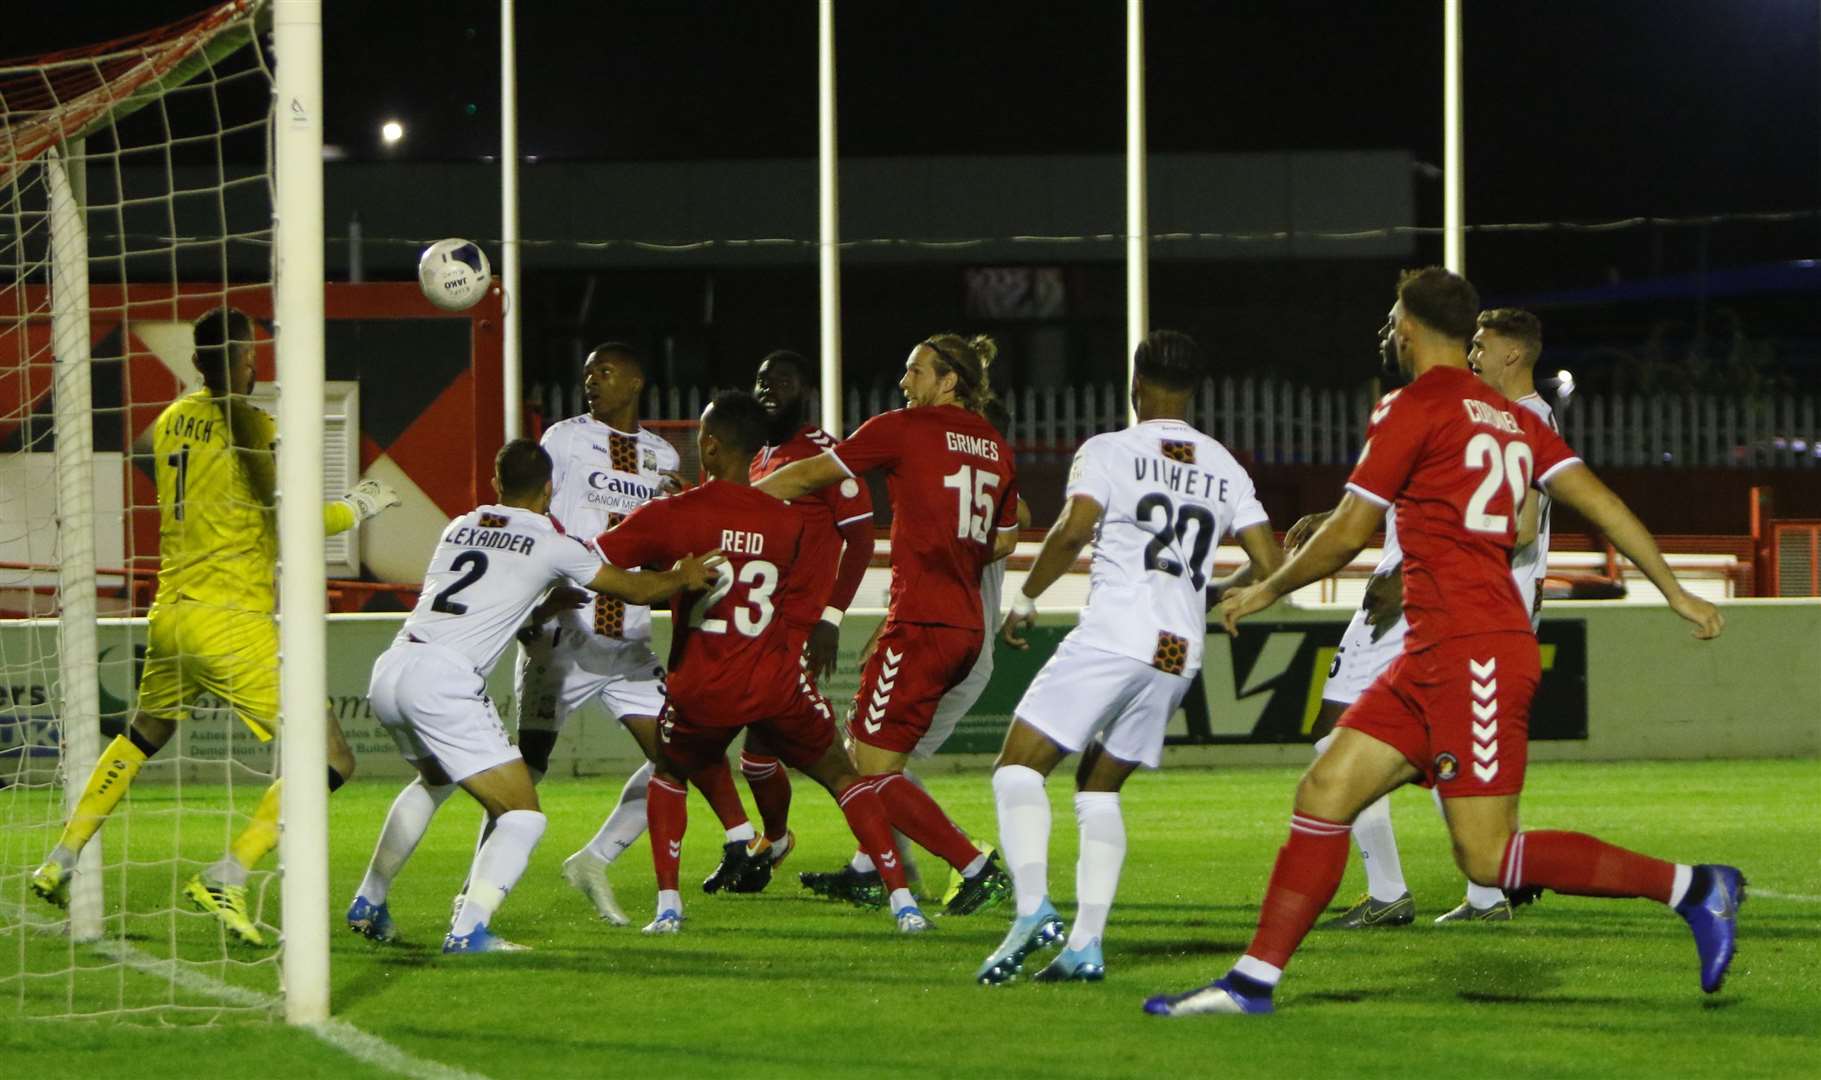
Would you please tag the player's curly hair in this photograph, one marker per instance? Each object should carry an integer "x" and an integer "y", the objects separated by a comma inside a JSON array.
[
  {"x": 212, "y": 334},
  {"x": 1170, "y": 359},
  {"x": 796, "y": 361},
  {"x": 1440, "y": 299},
  {"x": 968, "y": 360}
]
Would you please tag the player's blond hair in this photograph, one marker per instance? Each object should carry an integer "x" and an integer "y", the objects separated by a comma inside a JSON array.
[{"x": 968, "y": 359}]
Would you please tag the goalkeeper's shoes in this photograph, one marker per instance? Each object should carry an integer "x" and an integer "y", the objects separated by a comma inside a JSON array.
[
  {"x": 1711, "y": 909},
  {"x": 228, "y": 903},
  {"x": 371, "y": 921},
  {"x": 51, "y": 883},
  {"x": 911, "y": 920},
  {"x": 1231, "y": 994},
  {"x": 1374, "y": 914},
  {"x": 1040, "y": 929},
  {"x": 667, "y": 922},
  {"x": 587, "y": 873},
  {"x": 369, "y": 499},
  {"x": 764, "y": 862},
  {"x": 480, "y": 940},
  {"x": 1085, "y": 964},
  {"x": 984, "y": 888},
  {"x": 1499, "y": 912},
  {"x": 857, "y": 887}
]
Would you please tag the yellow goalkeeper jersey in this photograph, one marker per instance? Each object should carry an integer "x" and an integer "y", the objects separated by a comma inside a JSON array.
[{"x": 217, "y": 536}]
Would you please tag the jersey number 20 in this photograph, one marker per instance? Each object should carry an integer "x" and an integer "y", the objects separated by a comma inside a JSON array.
[
  {"x": 1173, "y": 529},
  {"x": 1509, "y": 466},
  {"x": 750, "y": 617}
]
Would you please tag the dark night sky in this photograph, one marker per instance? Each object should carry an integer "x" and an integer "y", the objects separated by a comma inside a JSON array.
[{"x": 1591, "y": 109}]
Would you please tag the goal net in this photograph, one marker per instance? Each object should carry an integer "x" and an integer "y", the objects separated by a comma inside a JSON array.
[{"x": 135, "y": 194}]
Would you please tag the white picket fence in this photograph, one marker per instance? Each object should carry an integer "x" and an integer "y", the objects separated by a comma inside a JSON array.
[{"x": 1273, "y": 422}]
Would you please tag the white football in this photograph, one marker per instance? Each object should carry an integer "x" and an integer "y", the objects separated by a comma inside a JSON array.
[{"x": 454, "y": 273}]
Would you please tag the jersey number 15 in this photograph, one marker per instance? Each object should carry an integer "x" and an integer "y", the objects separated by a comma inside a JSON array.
[{"x": 974, "y": 504}]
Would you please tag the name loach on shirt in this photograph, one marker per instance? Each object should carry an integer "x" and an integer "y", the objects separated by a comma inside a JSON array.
[
  {"x": 492, "y": 539},
  {"x": 978, "y": 446},
  {"x": 1180, "y": 478}
]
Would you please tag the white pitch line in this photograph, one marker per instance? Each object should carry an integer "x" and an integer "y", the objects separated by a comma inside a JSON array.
[
  {"x": 1753, "y": 891},
  {"x": 361, "y": 1045}
]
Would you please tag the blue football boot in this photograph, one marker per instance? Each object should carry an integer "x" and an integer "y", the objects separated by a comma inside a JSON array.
[
  {"x": 1075, "y": 965},
  {"x": 1234, "y": 994},
  {"x": 481, "y": 940},
  {"x": 1711, "y": 910},
  {"x": 1029, "y": 933},
  {"x": 371, "y": 921}
]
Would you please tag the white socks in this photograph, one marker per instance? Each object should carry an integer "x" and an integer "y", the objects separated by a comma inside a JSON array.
[
  {"x": 1097, "y": 868},
  {"x": 406, "y": 824},
  {"x": 1377, "y": 843},
  {"x": 497, "y": 867},
  {"x": 743, "y": 831},
  {"x": 1024, "y": 833},
  {"x": 626, "y": 824}
]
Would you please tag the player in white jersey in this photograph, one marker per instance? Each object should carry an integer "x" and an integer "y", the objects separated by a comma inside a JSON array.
[
  {"x": 606, "y": 466},
  {"x": 429, "y": 688},
  {"x": 1505, "y": 351},
  {"x": 1155, "y": 499}
]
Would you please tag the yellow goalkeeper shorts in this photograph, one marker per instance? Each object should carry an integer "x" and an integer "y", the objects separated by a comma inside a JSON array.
[{"x": 195, "y": 648}]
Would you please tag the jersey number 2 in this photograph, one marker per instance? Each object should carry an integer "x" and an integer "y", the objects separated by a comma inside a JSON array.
[
  {"x": 1509, "y": 466},
  {"x": 475, "y": 564},
  {"x": 973, "y": 501},
  {"x": 749, "y": 618}
]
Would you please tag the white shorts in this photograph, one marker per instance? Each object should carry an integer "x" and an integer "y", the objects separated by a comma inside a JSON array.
[
  {"x": 435, "y": 706},
  {"x": 1361, "y": 658},
  {"x": 1085, "y": 694},
  {"x": 954, "y": 705},
  {"x": 555, "y": 678}
]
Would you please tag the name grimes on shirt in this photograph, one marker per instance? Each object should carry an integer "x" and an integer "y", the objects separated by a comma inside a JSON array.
[
  {"x": 977, "y": 445},
  {"x": 1180, "y": 478},
  {"x": 496, "y": 539},
  {"x": 1481, "y": 413}
]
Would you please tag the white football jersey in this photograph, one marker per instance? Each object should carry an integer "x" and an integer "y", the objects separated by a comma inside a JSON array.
[
  {"x": 1532, "y": 564},
  {"x": 1168, "y": 493},
  {"x": 601, "y": 476},
  {"x": 490, "y": 569}
]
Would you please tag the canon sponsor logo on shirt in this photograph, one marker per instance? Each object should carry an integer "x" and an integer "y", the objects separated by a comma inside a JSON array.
[{"x": 610, "y": 484}]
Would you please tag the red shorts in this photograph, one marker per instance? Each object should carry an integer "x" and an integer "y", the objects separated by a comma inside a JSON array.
[
  {"x": 1459, "y": 711},
  {"x": 799, "y": 737},
  {"x": 913, "y": 666}
]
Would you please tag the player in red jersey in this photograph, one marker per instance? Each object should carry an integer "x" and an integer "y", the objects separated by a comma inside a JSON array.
[
  {"x": 954, "y": 510},
  {"x": 1455, "y": 457},
  {"x": 838, "y": 541},
  {"x": 733, "y": 662}
]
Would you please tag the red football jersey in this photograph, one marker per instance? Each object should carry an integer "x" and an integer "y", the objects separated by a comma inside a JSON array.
[
  {"x": 952, "y": 486},
  {"x": 825, "y": 512},
  {"x": 730, "y": 661},
  {"x": 1456, "y": 457}
]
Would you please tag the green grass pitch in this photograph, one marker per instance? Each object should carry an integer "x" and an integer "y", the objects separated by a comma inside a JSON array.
[{"x": 784, "y": 985}]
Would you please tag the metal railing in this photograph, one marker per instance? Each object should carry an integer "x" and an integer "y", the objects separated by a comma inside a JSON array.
[{"x": 1275, "y": 422}]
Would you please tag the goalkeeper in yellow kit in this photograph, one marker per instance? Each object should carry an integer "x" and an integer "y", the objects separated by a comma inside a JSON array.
[{"x": 211, "y": 626}]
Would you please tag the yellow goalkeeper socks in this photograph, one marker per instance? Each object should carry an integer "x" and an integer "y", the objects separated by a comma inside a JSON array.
[
  {"x": 261, "y": 834},
  {"x": 118, "y": 764}
]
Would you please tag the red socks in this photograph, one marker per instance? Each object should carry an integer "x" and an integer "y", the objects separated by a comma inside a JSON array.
[
  {"x": 667, "y": 815},
  {"x": 716, "y": 785},
  {"x": 1308, "y": 870},
  {"x": 770, "y": 786},
  {"x": 865, "y": 814},
  {"x": 917, "y": 816},
  {"x": 1576, "y": 864}
]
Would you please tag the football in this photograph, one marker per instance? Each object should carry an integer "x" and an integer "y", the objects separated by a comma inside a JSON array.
[{"x": 454, "y": 273}]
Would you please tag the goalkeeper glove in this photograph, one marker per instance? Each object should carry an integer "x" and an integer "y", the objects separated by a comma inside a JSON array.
[{"x": 370, "y": 498}]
